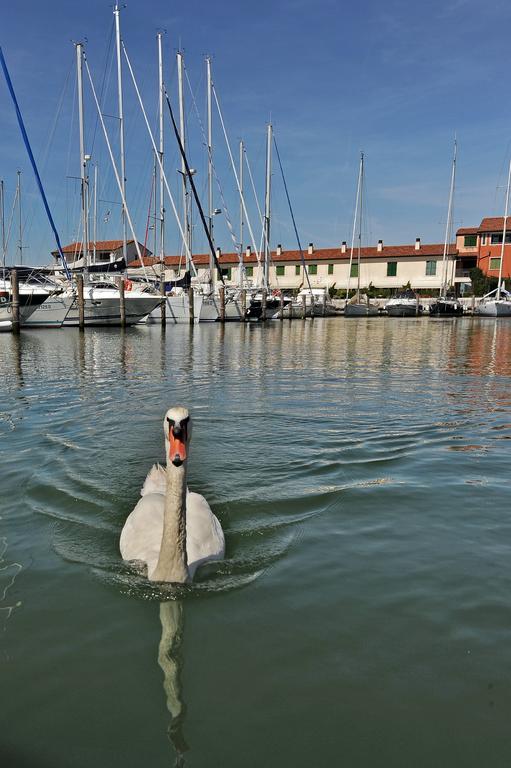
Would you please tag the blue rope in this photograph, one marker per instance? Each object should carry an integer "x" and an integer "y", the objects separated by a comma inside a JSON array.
[{"x": 32, "y": 160}]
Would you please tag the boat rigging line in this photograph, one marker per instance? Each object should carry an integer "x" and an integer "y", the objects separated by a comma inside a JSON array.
[
  {"x": 157, "y": 155},
  {"x": 302, "y": 257},
  {"x": 33, "y": 163},
  {"x": 233, "y": 165},
  {"x": 109, "y": 147}
]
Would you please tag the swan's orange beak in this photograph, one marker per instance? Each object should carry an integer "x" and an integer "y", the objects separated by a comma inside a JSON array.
[{"x": 177, "y": 449}]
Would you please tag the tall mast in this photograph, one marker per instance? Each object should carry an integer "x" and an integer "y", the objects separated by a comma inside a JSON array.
[
  {"x": 242, "y": 149},
  {"x": 95, "y": 221},
  {"x": 20, "y": 226},
  {"x": 162, "y": 180},
  {"x": 504, "y": 231},
  {"x": 267, "y": 207},
  {"x": 186, "y": 219},
  {"x": 443, "y": 289},
  {"x": 83, "y": 162},
  {"x": 210, "y": 166},
  {"x": 360, "y": 222},
  {"x": 121, "y": 129},
  {"x": 2, "y": 215},
  {"x": 357, "y": 199}
]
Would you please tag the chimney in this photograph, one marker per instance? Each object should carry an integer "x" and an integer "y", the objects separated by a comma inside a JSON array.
[
  {"x": 248, "y": 252},
  {"x": 218, "y": 253},
  {"x": 379, "y": 247},
  {"x": 417, "y": 243},
  {"x": 343, "y": 246},
  {"x": 310, "y": 249},
  {"x": 279, "y": 250}
]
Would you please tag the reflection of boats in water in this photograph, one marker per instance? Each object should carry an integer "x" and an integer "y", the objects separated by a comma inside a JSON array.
[{"x": 170, "y": 661}]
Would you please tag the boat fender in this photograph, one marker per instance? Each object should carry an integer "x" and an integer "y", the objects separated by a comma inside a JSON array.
[{"x": 128, "y": 285}]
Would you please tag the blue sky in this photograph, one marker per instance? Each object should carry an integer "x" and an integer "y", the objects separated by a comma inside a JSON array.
[{"x": 393, "y": 79}]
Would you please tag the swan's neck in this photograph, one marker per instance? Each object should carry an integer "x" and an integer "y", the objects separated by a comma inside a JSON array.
[{"x": 172, "y": 561}]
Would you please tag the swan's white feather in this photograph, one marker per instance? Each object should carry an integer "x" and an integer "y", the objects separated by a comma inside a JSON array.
[
  {"x": 142, "y": 533},
  {"x": 155, "y": 480}
]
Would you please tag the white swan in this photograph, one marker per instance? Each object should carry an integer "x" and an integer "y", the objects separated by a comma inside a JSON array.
[{"x": 172, "y": 530}]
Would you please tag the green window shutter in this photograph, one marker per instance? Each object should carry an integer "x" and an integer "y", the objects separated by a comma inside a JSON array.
[
  {"x": 354, "y": 270},
  {"x": 391, "y": 268},
  {"x": 280, "y": 270},
  {"x": 330, "y": 269},
  {"x": 495, "y": 262},
  {"x": 226, "y": 273},
  {"x": 313, "y": 269},
  {"x": 249, "y": 271},
  {"x": 297, "y": 270},
  {"x": 470, "y": 241},
  {"x": 431, "y": 268}
]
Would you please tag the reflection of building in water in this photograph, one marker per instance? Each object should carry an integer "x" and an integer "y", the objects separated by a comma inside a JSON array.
[
  {"x": 489, "y": 348},
  {"x": 170, "y": 661}
]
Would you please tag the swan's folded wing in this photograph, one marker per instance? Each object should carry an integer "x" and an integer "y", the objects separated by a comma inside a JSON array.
[{"x": 155, "y": 481}]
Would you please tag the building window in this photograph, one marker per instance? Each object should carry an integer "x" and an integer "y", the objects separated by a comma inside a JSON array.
[
  {"x": 313, "y": 269},
  {"x": 226, "y": 273},
  {"x": 391, "y": 268},
  {"x": 280, "y": 270},
  {"x": 496, "y": 239},
  {"x": 249, "y": 271},
  {"x": 354, "y": 270},
  {"x": 495, "y": 263},
  {"x": 431, "y": 268},
  {"x": 470, "y": 241},
  {"x": 330, "y": 269},
  {"x": 297, "y": 270}
]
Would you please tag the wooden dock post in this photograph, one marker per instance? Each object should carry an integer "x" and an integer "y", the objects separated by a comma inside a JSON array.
[
  {"x": 243, "y": 304},
  {"x": 122, "y": 302},
  {"x": 281, "y": 306},
  {"x": 163, "y": 305},
  {"x": 80, "y": 300},
  {"x": 304, "y": 306},
  {"x": 221, "y": 294},
  {"x": 473, "y": 305},
  {"x": 263, "y": 304},
  {"x": 191, "y": 307},
  {"x": 15, "y": 290}
]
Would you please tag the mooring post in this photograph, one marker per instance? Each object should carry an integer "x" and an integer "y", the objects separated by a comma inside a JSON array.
[
  {"x": 122, "y": 302},
  {"x": 80, "y": 300},
  {"x": 473, "y": 305},
  {"x": 221, "y": 295},
  {"x": 15, "y": 290},
  {"x": 281, "y": 306},
  {"x": 243, "y": 304},
  {"x": 263, "y": 304},
  {"x": 163, "y": 305},
  {"x": 191, "y": 307},
  {"x": 304, "y": 306}
]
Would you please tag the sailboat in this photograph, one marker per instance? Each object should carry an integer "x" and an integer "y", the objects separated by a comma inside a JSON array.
[
  {"x": 497, "y": 303},
  {"x": 447, "y": 305},
  {"x": 355, "y": 307},
  {"x": 102, "y": 301}
]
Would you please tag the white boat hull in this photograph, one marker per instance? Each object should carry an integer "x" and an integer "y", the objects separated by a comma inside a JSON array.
[
  {"x": 495, "y": 308},
  {"x": 50, "y": 314},
  {"x": 102, "y": 307}
]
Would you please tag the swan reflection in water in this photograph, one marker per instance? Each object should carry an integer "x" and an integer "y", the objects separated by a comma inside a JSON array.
[{"x": 170, "y": 661}]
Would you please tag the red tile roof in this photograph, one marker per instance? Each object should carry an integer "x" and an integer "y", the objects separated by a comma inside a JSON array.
[
  {"x": 494, "y": 224},
  {"x": 468, "y": 231},
  {"x": 321, "y": 254}
]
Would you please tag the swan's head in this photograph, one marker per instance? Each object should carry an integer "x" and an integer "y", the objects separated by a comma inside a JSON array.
[{"x": 177, "y": 429}]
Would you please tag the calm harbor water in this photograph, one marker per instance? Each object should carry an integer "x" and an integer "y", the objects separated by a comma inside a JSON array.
[{"x": 362, "y": 616}]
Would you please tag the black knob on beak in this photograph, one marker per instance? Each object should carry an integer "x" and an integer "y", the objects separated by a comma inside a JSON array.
[{"x": 177, "y": 431}]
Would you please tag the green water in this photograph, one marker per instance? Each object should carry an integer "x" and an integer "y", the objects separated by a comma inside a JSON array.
[{"x": 362, "y": 616}]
